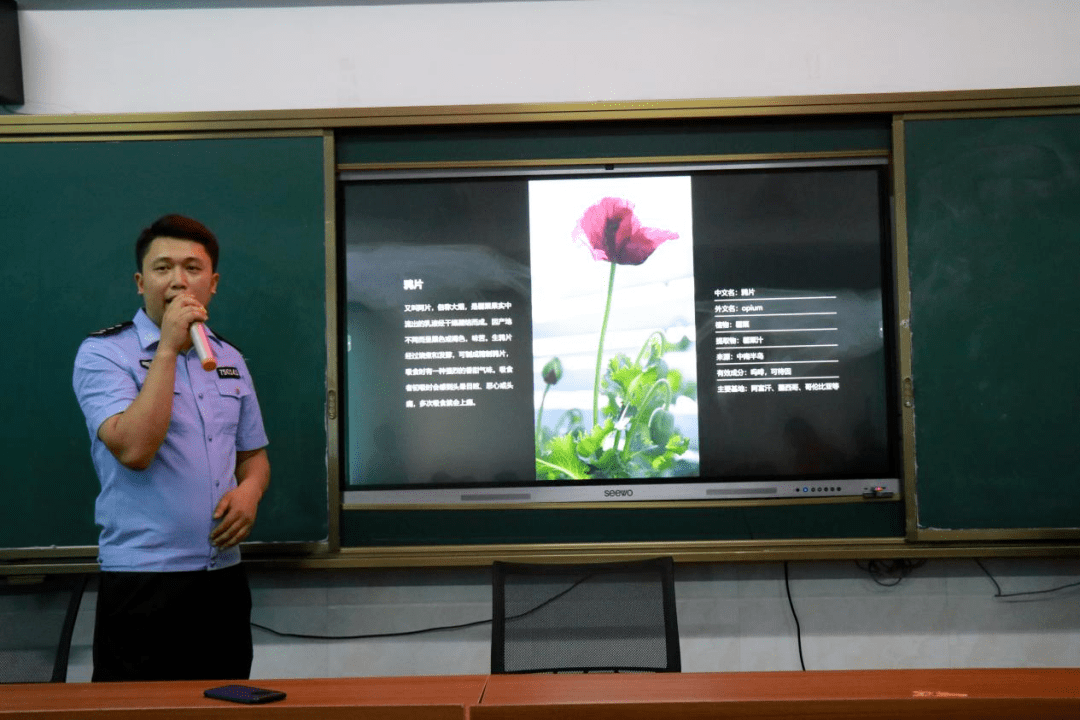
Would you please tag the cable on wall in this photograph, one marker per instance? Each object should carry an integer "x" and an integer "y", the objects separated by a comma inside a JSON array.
[
  {"x": 798, "y": 626},
  {"x": 889, "y": 573},
  {"x": 421, "y": 631},
  {"x": 368, "y": 636},
  {"x": 1028, "y": 594}
]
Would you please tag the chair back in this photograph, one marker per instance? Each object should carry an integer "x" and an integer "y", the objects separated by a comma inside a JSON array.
[
  {"x": 35, "y": 636},
  {"x": 594, "y": 617}
]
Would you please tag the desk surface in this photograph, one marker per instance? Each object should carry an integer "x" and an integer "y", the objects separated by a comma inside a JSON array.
[
  {"x": 881, "y": 694},
  {"x": 876, "y": 694},
  {"x": 392, "y": 698}
]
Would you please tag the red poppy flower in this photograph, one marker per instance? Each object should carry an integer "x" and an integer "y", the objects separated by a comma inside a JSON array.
[{"x": 612, "y": 232}]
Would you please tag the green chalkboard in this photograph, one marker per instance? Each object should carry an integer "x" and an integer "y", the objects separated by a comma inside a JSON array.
[
  {"x": 69, "y": 217},
  {"x": 994, "y": 249}
]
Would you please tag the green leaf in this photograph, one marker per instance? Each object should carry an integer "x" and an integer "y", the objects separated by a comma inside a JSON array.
[
  {"x": 624, "y": 377},
  {"x": 609, "y": 464},
  {"x": 641, "y": 388},
  {"x": 591, "y": 444},
  {"x": 611, "y": 410},
  {"x": 678, "y": 444},
  {"x": 675, "y": 378},
  {"x": 563, "y": 455},
  {"x": 663, "y": 462}
]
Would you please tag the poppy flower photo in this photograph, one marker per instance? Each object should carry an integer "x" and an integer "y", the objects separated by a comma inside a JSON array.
[
  {"x": 612, "y": 232},
  {"x": 613, "y": 310}
]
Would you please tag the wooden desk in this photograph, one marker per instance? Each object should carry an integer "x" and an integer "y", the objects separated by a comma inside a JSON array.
[
  {"x": 881, "y": 695},
  {"x": 395, "y": 698},
  {"x": 1007, "y": 694}
]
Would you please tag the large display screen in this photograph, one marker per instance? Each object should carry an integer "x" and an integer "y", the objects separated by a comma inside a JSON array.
[{"x": 660, "y": 334}]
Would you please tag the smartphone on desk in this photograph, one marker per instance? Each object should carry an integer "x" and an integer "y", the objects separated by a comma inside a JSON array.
[{"x": 244, "y": 694}]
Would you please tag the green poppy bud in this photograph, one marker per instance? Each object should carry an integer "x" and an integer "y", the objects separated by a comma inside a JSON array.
[
  {"x": 661, "y": 426},
  {"x": 552, "y": 372}
]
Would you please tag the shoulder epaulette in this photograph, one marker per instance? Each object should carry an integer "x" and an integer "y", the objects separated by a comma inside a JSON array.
[
  {"x": 111, "y": 330},
  {"x": 225, "y": 340}
]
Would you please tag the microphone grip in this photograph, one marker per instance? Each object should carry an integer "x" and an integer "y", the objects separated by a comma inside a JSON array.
[{"x": 202, "y": 346}]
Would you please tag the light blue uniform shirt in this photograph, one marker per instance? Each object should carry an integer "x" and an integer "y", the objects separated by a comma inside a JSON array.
[{"x": 160, "y": 519}]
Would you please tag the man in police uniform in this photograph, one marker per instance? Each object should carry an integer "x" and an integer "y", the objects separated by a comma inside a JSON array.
[{"x": 180, "y": 453}]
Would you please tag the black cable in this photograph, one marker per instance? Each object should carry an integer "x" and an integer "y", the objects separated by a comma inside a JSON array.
[
  {"x": 999, "y": 594},
  {"x": 421, "y": 631},
  {"x": 889, "y": 573},
  {"x": 403, "y": 633},
  {"x": 798, "y": 627}
]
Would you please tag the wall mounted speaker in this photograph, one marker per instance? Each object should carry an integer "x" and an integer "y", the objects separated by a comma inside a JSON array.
[{"x": 11, "y": 82}]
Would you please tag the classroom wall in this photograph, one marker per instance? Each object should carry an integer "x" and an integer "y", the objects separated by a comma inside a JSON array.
[
  {"x": 385, "y": 53},
  {"x": 732, "y": 617}
]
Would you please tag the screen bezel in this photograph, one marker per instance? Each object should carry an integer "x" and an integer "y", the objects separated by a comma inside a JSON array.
[{"x": 640, "y": 492}]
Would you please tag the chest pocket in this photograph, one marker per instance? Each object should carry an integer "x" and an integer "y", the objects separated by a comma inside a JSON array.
[{"x": 231, "y": 395}]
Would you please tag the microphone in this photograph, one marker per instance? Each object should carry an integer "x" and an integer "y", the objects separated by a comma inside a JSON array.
[{"x": 202, "y": 346}]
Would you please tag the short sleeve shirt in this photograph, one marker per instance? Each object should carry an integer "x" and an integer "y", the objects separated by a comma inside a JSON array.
[{"x": 160, "y": 519}]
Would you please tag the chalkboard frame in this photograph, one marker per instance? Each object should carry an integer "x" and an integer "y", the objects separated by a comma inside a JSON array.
[{"x": 372, "y": 530}]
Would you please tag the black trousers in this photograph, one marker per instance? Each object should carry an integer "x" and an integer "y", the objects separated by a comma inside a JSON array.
[{"x": 173, "y": 626}]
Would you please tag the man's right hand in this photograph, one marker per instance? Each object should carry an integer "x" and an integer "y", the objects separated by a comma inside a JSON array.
[{"x": 180, "y": 313}]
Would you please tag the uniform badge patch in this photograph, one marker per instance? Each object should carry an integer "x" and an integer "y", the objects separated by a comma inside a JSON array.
[{"x": 228, "y": 372}]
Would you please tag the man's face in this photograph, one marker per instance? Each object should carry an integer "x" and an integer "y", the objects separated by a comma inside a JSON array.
[{"x": 174, "y": 267}]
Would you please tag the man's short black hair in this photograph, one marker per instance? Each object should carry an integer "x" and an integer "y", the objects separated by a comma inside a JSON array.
[{"x": 181, "y": 228}]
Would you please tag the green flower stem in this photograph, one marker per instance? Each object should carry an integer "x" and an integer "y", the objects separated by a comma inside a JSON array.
[
  {"x": 667, "y": 398},
  {"x": 636, "y": 422},
  {"x": 648, "y": 341},
  {"x": 600, "y": 349},
  {"x": 569, "y": 417},
  {"x": 539, "y": 417},
  {"x": 561, "y": 469}
]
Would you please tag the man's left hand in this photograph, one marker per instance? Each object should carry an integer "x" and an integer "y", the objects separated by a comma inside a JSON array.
[{"x": 236, "y": 513}]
